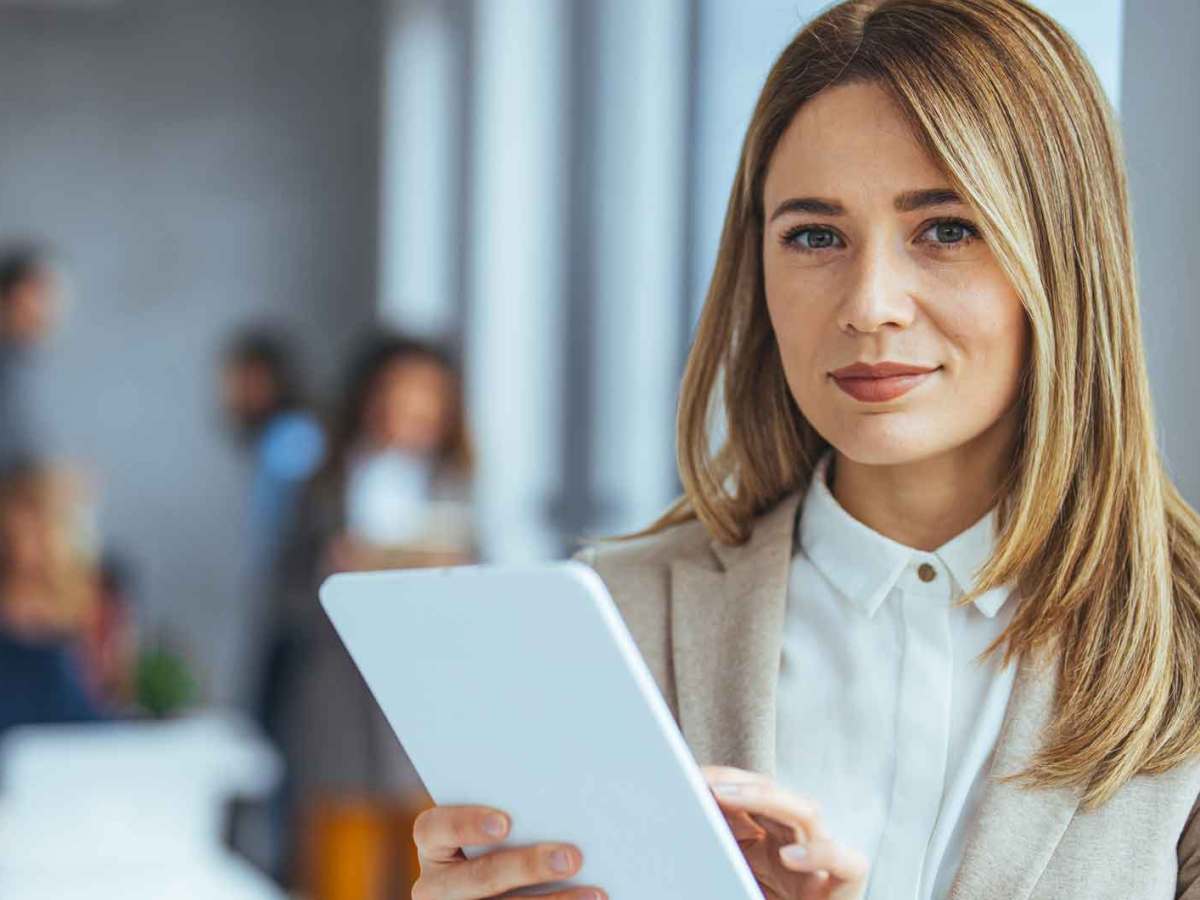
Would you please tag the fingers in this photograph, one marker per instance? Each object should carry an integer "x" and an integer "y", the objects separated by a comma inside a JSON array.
[
  {"x": 442, "y": 831},
  {"x": 715, "y": 774},
  {"x": 840, "y": 862},
  {"x": 737, "y": 789},
  {"x": 744, "y": 827},
  {"x": 440, "y": 834},
  {"x": 498, "y": 872}
]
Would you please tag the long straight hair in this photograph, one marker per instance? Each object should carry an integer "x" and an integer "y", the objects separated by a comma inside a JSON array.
[
  {"x": 1098, "y": 542},
  {"x": 454, "y": 457}
]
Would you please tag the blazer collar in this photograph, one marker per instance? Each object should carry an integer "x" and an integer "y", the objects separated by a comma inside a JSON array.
[
  {"x": 726, "y": 636},
  {"x": 727, "y": 617}
]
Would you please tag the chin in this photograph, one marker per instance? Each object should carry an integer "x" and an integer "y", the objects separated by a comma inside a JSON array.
[{"x": 885, "y": 439}]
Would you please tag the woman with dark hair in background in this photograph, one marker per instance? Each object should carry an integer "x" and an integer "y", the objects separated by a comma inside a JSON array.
[{"x": 394, "y": 492}]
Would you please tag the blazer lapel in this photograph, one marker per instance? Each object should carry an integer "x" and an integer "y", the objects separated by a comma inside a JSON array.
[
  {"x": 726, "y": 636},
  {"x": 1016, "y": 829},
  {"x": 727, "y": 618}
]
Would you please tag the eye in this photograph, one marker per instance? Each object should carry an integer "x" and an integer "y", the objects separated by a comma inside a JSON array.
[
  {"x": 943, "y": 234},
  {"x": 950, "y": 233},
  {"x": 809, "y": 238}
]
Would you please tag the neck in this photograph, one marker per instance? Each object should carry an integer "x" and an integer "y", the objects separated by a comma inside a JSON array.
[{"x": 923, "y": 504}]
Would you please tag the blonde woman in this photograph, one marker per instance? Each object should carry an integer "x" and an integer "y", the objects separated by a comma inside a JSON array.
[
  {"x": 930, "y": 614},
  {"x": 49, "y": 653}
]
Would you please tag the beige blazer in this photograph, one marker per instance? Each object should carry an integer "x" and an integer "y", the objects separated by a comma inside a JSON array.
[{"x": 708, "y": 619}]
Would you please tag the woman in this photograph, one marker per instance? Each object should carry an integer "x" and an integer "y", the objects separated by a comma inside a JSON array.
[
  {"x": 394, "y": 492},
  {"x": 50, "y": 659},
  {"x": 930, "y": 615}
]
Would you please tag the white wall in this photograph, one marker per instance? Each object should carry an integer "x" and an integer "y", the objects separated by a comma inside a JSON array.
[
  {"x": 1162, "y": 137},
  {"x": 198, "y": 165}
]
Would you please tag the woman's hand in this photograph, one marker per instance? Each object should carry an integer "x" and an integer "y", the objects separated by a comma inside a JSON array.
[
  {"x": 783, "y": 840},
  {"x": 446, "y": 874}
]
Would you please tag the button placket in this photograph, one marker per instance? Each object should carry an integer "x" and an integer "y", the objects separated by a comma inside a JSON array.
[{"x": 922, "y": 742}]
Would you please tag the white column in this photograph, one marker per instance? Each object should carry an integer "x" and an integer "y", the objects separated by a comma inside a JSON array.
[
  {"x": 1162, "y": 140},
  {"x": 420, "y": 127},
  {"x": 514, "y": 334},
  {"x": 639, "y": 201},
  {"x": 738, "y": 44}
]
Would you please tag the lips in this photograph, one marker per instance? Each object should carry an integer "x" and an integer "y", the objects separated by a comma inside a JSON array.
[{"x": 880, "y": 382}]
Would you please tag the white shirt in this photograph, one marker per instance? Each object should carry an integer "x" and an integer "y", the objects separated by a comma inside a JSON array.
[
  {"x": 884, "y": 715},
  {"x": 387, "y": 492}
]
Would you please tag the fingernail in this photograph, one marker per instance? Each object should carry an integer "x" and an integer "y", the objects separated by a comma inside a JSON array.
[
  {"x": 794, "y": 853},
  {"x": 493, "y": 825},
  {"x": 560, "y": 861},
  {"x": 727, "y": 789}
]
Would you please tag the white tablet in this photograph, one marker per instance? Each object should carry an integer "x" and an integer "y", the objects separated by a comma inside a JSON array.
[{"x": 519, "y": 687}]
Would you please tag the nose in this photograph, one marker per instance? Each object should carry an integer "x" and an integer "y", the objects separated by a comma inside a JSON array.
[{"x": 878, "y": 293}]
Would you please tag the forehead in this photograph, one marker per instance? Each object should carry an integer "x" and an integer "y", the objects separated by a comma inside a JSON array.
[
  {"x": 414, "y": 369},
  {"x": 849, "y": 141}
]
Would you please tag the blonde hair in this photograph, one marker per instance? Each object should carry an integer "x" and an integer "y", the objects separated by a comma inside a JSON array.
[
  {"x": 48, "y": 503},
  {"x": 1102, "y": 548}
]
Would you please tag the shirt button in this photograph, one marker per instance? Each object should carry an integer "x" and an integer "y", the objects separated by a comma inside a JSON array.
[{"x": 926, "y": 572}]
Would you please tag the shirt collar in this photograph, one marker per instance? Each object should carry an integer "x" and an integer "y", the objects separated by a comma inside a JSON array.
[{"x": 864, "y": 565}]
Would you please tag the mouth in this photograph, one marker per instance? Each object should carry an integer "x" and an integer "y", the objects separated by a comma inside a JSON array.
[{"x": 880, "y": 382}]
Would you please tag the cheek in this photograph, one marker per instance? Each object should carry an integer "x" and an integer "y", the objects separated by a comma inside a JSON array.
[
  {"x": 798, "y": 321},
  {"x": 990, "y": 337}
]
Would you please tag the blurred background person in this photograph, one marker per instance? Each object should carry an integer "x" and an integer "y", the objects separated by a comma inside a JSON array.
[
  {"x": 30, "y": 304},
  {"x": 283, "y": 443},
  {"x": 394, "y": 492},
  {"x": 114, "y": 649},
  {"x": 264, "y": 405},
  {"x": 401, "y": 461},
  {"x": 48, "y": 603}
]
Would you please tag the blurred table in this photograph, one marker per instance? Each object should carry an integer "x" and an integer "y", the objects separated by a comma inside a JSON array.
[{"x": 130, "y": 810}]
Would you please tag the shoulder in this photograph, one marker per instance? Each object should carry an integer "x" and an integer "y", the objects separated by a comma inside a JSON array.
[
  {"x": 649, "y": 553},
  {"x": 637, "y": 571}
]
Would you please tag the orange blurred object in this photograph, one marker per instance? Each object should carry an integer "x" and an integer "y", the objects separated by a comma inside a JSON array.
[{"x": 360, "y": 847}]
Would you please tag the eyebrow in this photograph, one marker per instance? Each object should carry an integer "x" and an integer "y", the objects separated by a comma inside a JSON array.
[{"x": 908, "y": 201}]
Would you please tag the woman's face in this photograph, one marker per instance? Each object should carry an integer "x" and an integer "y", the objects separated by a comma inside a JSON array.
[
  {"x": 900, "y": 335},
  {"x": 410, "y": 406},
  {"x": 24, "y": 537}
]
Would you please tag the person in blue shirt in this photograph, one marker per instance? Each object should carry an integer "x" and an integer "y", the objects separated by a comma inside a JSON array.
[
  {"x": 284, "y": 445},
  {"x": 263, "y": 403}
]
